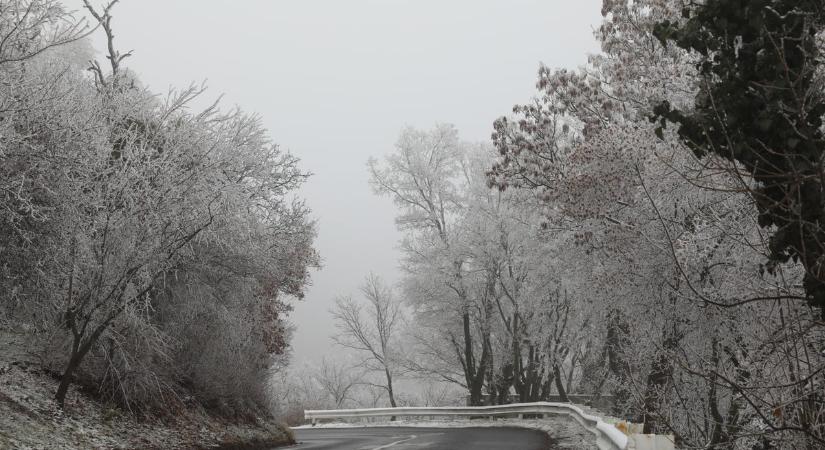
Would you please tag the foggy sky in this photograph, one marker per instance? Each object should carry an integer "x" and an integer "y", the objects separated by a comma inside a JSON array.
[{"x": 335, "y": 81}]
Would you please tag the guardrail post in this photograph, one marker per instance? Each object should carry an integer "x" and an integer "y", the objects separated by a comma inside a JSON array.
[{"x": 652, "y": 441}]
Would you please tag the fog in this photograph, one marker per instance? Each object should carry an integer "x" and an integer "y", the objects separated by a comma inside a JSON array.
[{"x": 334, "y": 82}]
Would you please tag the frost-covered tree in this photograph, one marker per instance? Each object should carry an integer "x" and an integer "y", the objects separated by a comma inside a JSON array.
[
  {"x": 424, "y": 178},
  {"x": 487, "y": 311},
  {"x": 665, "y": 245},
  {"x": 151, "y": 249}
]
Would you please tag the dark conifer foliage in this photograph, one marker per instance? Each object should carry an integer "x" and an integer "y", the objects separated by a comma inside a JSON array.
[{"x": 760, "y": 103}]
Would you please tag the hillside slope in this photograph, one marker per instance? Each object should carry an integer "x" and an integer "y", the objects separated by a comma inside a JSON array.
[{"x": 30, "y": 418}]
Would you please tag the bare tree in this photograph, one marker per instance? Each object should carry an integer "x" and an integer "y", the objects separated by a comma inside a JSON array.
[
  {"x": 371, "y": 331},
  {"x": 338, "y": 380},
  {"x": 104, "y": 20}
]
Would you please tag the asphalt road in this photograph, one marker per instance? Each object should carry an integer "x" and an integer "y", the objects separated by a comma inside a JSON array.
[{"x": 399, "y": 438}]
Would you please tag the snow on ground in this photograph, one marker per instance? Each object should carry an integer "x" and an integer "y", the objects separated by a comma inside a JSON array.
[
  {"x": 30, "y": 418},
  {"x": 566, "y": 433}
]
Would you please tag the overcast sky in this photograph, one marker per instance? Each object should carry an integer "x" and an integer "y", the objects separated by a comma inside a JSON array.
[{"x": 335, "y": 81}]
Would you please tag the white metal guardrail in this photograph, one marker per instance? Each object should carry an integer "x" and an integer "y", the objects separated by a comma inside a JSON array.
[{"x": 607, "y": 436}]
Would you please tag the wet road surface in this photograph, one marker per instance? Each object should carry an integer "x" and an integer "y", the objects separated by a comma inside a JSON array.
[{"x": 399, "y": 438}]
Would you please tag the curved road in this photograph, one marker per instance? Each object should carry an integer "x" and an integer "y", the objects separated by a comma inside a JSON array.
[{"x": 400, "y": 438}]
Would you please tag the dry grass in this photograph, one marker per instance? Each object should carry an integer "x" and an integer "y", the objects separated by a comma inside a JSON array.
[{"x": 30, "y": 419}]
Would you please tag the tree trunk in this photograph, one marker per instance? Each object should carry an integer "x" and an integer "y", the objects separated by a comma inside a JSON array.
[
  {"x": 390, "y": 391},
  {"x": 617, "y": 331},
  {"x": 657, "y": 379},
  {"x": 546, "y": 387},
  {"x": 717, "y": 434},
  {"x": 518, "y": 382},
  {"x": 476, "y": 387},
  {"x": 65, "y": 380},
  {"x": 491, "y": 380},
  {"x": 389, "y": 388},
  {"x": 476, "y": 398},
  {"x": 469, "y": 361},
  {"x": 569, "y": 384},
  {"x": 78, "y": 352},
  {"x": 505, "y": 380},
  {"x": 559, "y": 383}
]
